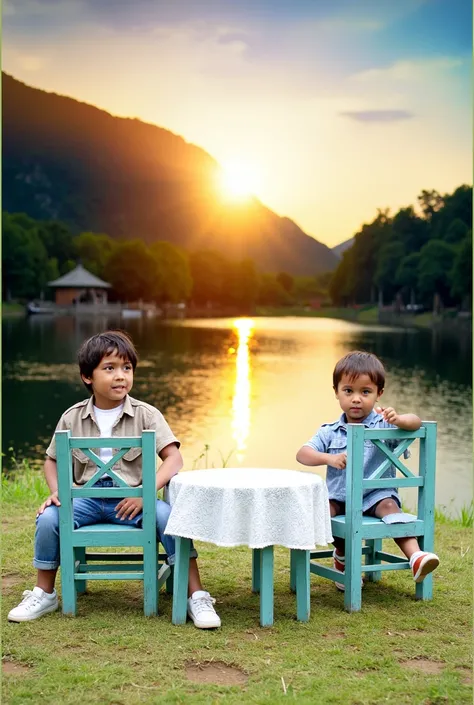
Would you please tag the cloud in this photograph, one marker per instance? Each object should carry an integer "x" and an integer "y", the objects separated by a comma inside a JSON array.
[
  {"x": 377, "y": 115},
  {"x": 413, "y": 71}
]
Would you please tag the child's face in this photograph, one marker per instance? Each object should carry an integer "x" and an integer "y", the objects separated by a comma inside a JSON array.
[
  {"x": 111, "y": 381},
  {"x": 357, "y": 397}
]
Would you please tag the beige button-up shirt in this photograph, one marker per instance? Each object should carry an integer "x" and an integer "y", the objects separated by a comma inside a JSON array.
[{"x": 135, "y": 417}]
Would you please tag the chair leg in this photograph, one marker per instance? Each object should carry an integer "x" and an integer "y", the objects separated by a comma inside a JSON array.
[
  {"x": 300, "y": 560},
  {"x": 353, "y": 575},
  {"x": 374, "y": 545},
  {"x": 170, "y": 582},
  {"x": 424, "y": 590},
  {"x": 150, "y": 581},
  {"x": 256, "y": 552},
  {"x": 266, "y": 586},
  {"x": 181, "y": 579},
  {"x": 68, "y": 588},
  {"x": 80, "y": 555},
  {"x": 292, "y": 571}
]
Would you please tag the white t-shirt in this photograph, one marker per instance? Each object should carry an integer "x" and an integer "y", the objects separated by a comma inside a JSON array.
[{"x": 105, "y": 419}]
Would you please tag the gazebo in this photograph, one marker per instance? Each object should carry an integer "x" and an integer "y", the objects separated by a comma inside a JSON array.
[{"x": 79, "y": 286}]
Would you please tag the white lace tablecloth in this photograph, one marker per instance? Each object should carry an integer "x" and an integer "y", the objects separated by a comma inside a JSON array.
[{"x": 250, "y": 506}]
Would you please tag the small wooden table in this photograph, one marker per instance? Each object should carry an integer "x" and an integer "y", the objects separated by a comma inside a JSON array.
[{"x": 260, "y": 508}]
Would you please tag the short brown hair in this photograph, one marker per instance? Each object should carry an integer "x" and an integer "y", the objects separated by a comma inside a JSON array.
[
  {"x": 94, "y": 349},
  {"x": 357, "y": 363}
]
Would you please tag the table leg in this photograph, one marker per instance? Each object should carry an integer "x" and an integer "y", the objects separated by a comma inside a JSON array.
[
  {"x": 302, "y": 578},
  {"x": 180, "y": 580},
  {"x": 292, "y": 572},
  {"x": 256, "y": 569},
  {"x": 266, "y": 586}
]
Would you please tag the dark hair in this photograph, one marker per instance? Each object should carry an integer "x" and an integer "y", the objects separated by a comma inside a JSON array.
[
  {"x": 358, "y": 363},
  {"x": 94, "y": 349}
]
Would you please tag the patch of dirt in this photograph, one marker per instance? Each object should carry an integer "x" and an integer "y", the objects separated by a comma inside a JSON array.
[
  {"x": 334, "y": 635},
  {"x": 9, "y": 581},
  {"x": 424, "y": 665},
  {"x": 11, "y": 667},
  {"x": 215, "y": 672},
  {"x": 250, "y": 636},
  {"x": 466, "y": 673}
]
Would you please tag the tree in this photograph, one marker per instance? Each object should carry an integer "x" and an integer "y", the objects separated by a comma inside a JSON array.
[
  {"x": 175, "y": 273},
  {"x": 406, "y": 275},
  {"x": 26, "y": 267},
  {"x": 286, "y": 281},
  {"x": 388, "y": 262},
  {"x": 436, "y": 261},
  {"x": 94, "y": 251},
  {"x": 208, "y": 269},
  {"x": 59, "y": 243},
  {"x": 271, "y": 292},
  {"x": 461, "y": 273},
  {"x": 456, "y": 232},
  {"x": 242, "y": 282},
  {"x": 430, "y": 203},
  {"x": 133, "y": 273}
]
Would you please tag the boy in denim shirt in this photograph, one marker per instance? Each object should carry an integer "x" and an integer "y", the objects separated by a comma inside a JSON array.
[
  {"x": 358, "y": 382},
  {"x": 107, "y": 362}
]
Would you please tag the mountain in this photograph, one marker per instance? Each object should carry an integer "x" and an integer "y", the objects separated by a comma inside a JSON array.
[
  {"x": 342, "y": 247},
  {"x": 67, "y": 160}
]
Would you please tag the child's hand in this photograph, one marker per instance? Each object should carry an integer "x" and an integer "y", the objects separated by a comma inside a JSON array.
[
  {"x": 389, "y": 414},
  {"x": 52, "y": 499},
  {"x": 129, "y": 507},
  {"x": 338, "y": 461}
]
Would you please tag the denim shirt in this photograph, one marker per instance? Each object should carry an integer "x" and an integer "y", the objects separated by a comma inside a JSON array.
[{"x": 332, "y": 438}]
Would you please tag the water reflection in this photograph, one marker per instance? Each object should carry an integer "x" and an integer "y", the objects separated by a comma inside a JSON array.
[
  {"x": 258, "y": 402},
  {"x": 242, "y": 388}
]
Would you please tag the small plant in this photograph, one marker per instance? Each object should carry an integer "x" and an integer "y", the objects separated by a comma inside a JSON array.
[{"x": 205, "y": 456}]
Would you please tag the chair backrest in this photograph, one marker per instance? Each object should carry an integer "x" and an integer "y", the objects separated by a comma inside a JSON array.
[
  {"x": 65, "y": 443},
  {"x": 356, "y": 484}
]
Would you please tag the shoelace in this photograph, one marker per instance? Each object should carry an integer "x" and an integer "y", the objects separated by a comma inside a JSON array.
[
  {"x": 29, "y": 599},
  {"x": 203, "y": 604}
]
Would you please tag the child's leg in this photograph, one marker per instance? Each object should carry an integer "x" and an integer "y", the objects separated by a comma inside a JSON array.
[
  {"x": 409, "y": 545},
  {"x": 163, "y": 511},
  {"x": 43, "y": 599},
  {"x": 422, "y": 563},
  {"x": 336, "y": 508},
  {"x": 46, "y": 560}
]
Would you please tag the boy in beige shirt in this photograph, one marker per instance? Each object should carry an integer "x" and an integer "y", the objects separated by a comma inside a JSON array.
[{"x": 107, "y": 362}]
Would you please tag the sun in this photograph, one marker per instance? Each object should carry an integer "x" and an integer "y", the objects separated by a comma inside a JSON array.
[{"x": 238, "y": 180}]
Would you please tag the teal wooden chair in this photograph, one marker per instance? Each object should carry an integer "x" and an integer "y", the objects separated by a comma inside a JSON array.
[
  {"x": 355, "y": 528},
  {"x": 78, "y": 565}
]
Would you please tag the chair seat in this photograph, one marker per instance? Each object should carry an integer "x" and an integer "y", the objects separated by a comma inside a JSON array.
[
  {"x": 374, "y": 528},
  {"x": 107, "y": 527}
]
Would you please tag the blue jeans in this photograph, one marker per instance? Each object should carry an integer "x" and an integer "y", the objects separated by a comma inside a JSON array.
[{"x": 87, "y": 511}]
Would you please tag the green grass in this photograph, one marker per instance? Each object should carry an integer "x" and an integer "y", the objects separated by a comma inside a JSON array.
[{"x": 110, "y": 653}]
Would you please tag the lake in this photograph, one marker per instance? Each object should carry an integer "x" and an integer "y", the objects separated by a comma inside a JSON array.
[{"x": 248, "y": 392}]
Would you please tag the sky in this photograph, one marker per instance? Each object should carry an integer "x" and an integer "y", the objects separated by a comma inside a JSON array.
[{"x": 326, "y": 109}]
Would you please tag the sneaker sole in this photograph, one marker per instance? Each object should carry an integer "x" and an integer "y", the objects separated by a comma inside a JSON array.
[
  {"x": 425, "y": 569},
  {"x": 203, "y": 625},
  {"x": 30, "y": 618}
]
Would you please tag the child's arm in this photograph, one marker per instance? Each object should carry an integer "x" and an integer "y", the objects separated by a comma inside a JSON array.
[
  {"x": 51, "y": 476},
  {"x": 171, "y": 465},
  {"x": 129, "y": 507},
  {"x": 407, "y": 422},
  {"x": 308, "y": 456}
]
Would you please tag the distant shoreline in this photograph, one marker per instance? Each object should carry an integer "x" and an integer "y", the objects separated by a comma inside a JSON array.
[{"x": 449, "y": 321}]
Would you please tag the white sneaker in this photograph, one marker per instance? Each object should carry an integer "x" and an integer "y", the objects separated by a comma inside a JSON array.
[
  {"x": 164, "y": 573},
  {"x": 201, "y": 610},
  {"x": 35, "y": 603}
]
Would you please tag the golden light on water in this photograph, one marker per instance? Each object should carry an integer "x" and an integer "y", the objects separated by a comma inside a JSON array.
[{"x": 242, "y": 388}]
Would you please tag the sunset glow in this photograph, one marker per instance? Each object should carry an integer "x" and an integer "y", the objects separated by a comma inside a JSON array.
[
  {"x": 242, "y": 389},
  {"x": 239, "y": 180}
]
